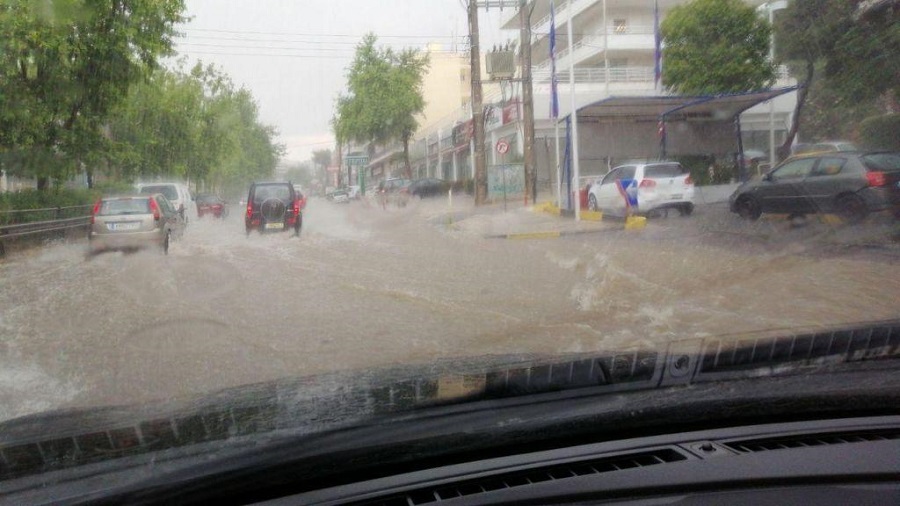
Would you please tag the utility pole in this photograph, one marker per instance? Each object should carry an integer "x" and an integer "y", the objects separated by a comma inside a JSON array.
[
  {"x": 477, "y": 108},
  {"x": 527, "y": 101}
]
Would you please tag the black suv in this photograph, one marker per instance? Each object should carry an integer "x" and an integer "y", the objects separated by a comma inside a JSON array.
[{"x": 273, "y": 206}]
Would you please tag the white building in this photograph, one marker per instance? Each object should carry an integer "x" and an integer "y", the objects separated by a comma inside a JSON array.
[
  {"x": 613, "y": 56},
  {"x": 613, "y": 53}
]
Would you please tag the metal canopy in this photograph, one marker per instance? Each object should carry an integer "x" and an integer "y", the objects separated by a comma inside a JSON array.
[{"x": 675, "y": 108}]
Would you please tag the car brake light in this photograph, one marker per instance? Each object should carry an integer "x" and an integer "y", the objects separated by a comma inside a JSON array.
[
  {"x": 95, "y": 210},
  {"x": 648, "y": 183},
  {"x": 688, "y": 180},
  {"x": 249, "y": 208},
  {"x": 876, "y": 178},
  {"x": 296, "y": 207},
  {"x": 154, "y": 208}
]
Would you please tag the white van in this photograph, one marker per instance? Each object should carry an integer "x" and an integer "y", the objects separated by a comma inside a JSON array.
[{"x": 177, "y": 193}]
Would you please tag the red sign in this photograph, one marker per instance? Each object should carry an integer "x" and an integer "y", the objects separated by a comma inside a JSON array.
[
  {"x": 502, "y": 146},
  {"x": 510, "y": 113}
]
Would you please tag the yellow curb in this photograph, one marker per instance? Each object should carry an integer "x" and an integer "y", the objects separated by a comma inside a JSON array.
[
  {"x": 533, "y": 235},
  {"x": 592, "y": 215},
  {"x": 635, "y": 222}
]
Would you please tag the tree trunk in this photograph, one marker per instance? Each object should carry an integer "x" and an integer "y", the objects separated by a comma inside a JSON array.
[
  {"x": 785, "y": 150},
  {"x": 43, "y": 183},
  {"x": 407, "y": 168}
]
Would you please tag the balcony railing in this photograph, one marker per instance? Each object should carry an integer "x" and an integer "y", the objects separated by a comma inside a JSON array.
[{"x": 598, "y": 75}]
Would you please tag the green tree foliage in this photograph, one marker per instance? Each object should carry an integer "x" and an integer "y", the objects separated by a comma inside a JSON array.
[
  {"x": 881, "y": 132},
  {"x": 715, "y": 46},
  {"x": 63, "y": 65},
  {"x": 848, "y": 60},
  {"x": 191, "y": 125},
  {"x": 384, "y": 95}
]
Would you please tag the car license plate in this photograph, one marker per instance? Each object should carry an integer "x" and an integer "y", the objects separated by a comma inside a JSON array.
[
  {"x": 120, "y": 227},
  {"x": 274, "y": 225}
]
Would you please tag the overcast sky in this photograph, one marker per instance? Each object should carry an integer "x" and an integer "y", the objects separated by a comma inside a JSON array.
[{"x": 292, "y": 54}]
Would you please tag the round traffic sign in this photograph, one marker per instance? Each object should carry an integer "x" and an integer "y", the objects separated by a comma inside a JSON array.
[{"x": 502, "y": 146}]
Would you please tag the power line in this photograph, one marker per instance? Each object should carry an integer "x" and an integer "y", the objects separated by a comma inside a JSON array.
[
  {"x": 302, "y": 34},
  {"x": 455, "y": 39}
]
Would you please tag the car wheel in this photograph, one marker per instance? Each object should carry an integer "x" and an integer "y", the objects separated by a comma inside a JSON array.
[
  {"x": 686, "y": 209},
  {"x": 851, "y": 208},
  {"x": 592, "y": 202},
  {"x": 748, "y": 208},
  {"x": 165, "y": 245}
]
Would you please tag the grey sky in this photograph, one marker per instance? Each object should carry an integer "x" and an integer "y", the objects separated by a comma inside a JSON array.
[{"x": 292, "y": 54}]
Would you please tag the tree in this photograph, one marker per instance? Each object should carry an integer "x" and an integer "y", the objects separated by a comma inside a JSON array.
[
  {"x": 384, "y": 95},
  {"x": 848, "y": 60},
  {"x": 63, "y": 65},
  {"x": 715, "y": 46},
  {"x": 193, "y": 125}
]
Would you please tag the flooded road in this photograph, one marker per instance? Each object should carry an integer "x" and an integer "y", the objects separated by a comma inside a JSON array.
[{"x": 365, "y": 287}]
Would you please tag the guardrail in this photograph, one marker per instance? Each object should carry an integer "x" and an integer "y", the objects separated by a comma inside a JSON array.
[{"x": 30, "y": 222}]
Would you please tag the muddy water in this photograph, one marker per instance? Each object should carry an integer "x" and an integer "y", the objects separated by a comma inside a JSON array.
[{"x": 366, "y": 287}]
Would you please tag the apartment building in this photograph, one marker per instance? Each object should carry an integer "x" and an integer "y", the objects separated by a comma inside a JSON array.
[{"x": 613, "y": 55}]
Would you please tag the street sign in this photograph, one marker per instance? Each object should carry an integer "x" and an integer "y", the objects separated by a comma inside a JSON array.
[
  {"x": 502, "y": 146},
  {"x": 357, "y": 161}
]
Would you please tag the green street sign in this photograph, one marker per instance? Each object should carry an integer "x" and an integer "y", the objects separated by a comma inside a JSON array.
[{"x": 356, "y": 161}]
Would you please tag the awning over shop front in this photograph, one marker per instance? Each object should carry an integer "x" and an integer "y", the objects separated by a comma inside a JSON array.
[{"x": 675, "y": 108}]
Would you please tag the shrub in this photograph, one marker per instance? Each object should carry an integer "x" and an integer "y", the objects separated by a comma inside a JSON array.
[{"x": 880, "y": 132}]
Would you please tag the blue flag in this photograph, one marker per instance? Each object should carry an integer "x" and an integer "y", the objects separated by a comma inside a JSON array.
[{"x": 554, "y": 96}]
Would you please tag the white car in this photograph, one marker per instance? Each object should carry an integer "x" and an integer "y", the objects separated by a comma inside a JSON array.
[
  {"x": 643, "y": 188},
  {"x": 177, "y": 193}
]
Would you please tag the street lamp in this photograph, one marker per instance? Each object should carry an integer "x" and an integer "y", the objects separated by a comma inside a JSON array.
[{"x": 771, "y": 7}]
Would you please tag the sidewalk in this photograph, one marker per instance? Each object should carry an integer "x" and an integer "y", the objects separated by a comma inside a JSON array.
[{"x": 516, "y": 220}]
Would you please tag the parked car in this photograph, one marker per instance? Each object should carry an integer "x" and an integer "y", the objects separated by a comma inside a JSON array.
[
  {"x": 847, "y": 183},
  {"x": 211, "y": 204},
  {"x": 341, "y": 196},
  {"x": 177, "y": 193},
  {"x": 427, "y": 187},
  {"x": 394, "y": 191},
  {"x": 134, "y": 222},
  {"x": 645, "y": 188},
  {"x": 822, "y": 147},
  {"x": 273, "y": 206}
]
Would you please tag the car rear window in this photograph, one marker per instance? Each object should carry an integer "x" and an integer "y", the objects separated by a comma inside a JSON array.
[
  {"x": 265, "y": 192},
  {"x": 115, "y": 207},
  {"x": 660, "y": 171},
  {"x": 208, "y": 199},
  {"x": 168, "y": 191},
  {"x": 887, "y": 162}
]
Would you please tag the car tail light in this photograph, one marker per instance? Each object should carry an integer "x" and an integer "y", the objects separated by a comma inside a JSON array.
[
  {"x": 296, "y": 207},
  {"x": 95, "y": 210},
  {"x": 648, "y": 183},
  {"x": 688, "y": 180},
  {"x": 876, "y": 178},
  {"x": 249, "y": 208},
  {"x": 154, "y": 208}
]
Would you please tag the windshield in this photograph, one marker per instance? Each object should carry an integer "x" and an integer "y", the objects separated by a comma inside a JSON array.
[
  {"x": 453, "y": 215},
  {"x": 662, "y": 171},
  {"x": 124, "y": 206},
  {"x": 168, "y": 191}
]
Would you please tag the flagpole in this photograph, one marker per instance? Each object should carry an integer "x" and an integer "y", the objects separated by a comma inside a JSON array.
[
  {"x": 575, "y": 164},
  {"x": 554, "y": 103}
]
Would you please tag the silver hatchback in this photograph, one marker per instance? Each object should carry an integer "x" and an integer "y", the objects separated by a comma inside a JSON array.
[{"x": 134, "y": 222}]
